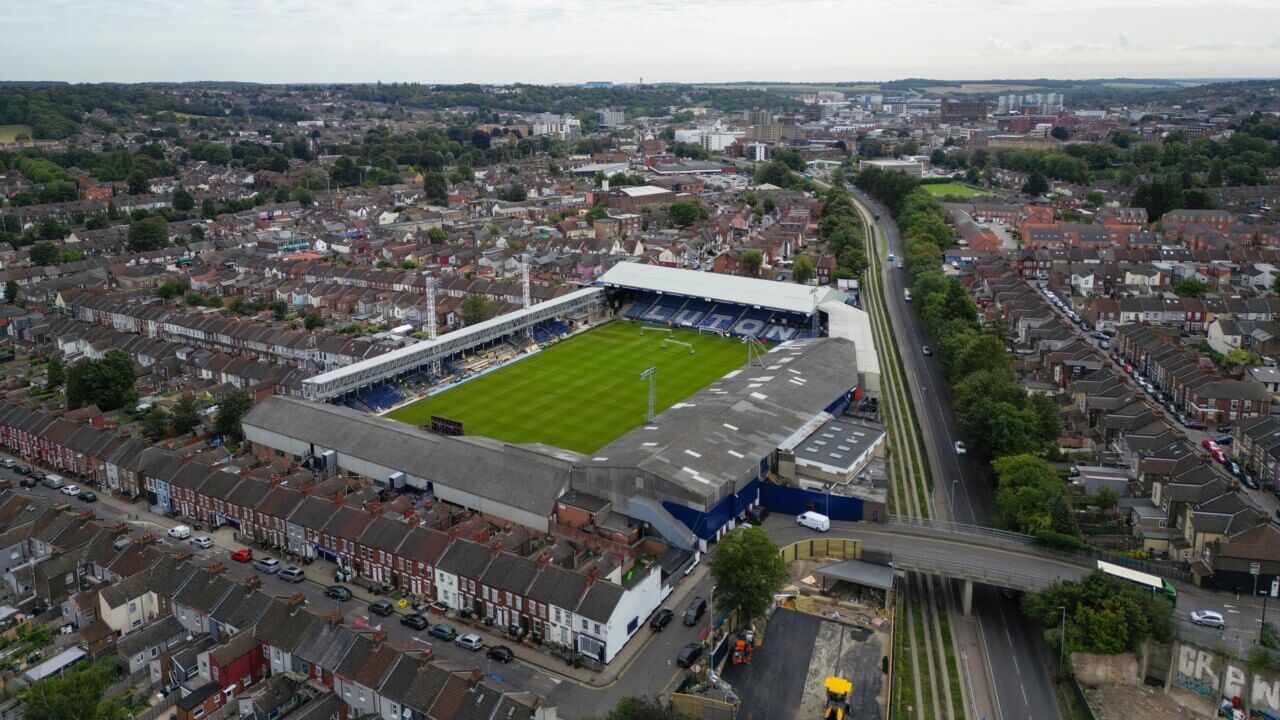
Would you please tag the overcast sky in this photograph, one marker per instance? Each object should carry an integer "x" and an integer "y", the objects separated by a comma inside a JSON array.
[{"x": 553, "y": 41}]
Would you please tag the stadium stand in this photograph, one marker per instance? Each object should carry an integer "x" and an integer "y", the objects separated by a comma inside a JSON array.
[
  {"x": 380, "y": 398},
  {"x": 691, "y": 314},
  {"x": 635, "y": 310},
  {"x": 720, "y": 317},
  {"x": 663, "y": 310},
  {"x": 752, "y": 323},
  {"x": 558, "y": 328}
]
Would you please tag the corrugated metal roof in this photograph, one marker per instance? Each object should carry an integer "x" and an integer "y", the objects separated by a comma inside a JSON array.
[{"x": 767, "y": 294}]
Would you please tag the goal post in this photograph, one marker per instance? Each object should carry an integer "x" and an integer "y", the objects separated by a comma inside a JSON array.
[{"x": 681, "y": 343}]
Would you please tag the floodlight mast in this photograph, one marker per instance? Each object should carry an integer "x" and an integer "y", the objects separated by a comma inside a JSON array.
[{"x": 653, "y": 392}]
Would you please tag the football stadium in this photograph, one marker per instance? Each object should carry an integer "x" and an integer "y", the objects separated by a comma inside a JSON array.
[{"x": 678, "y": 398}]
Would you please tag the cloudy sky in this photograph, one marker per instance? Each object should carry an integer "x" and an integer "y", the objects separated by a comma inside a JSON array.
[{"x": 550, "y": 41}]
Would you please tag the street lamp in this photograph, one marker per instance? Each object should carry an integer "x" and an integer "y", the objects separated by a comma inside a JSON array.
[{"x": 711, "y": 618}]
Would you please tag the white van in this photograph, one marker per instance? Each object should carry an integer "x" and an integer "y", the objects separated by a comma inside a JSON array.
[
  {"x": 53, "y": 481},
  {"x": 814, "y": 521},
  {"x": 180, "y": 532}
]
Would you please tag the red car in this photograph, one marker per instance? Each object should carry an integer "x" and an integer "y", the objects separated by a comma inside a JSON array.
[
  {"x": 1209, "y": 444},
  {"x": 1218, "y": 455},
  {"x": 242, "y": 555}
]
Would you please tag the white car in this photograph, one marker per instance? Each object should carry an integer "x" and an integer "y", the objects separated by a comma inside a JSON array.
[
  {"x": 814, "y": 521},
  {"x": 204, "y": 542},
  {"x": 71, "y": 490},
  {"x": 960, "y": 448},
  {"x": 1208, "y": 618}
]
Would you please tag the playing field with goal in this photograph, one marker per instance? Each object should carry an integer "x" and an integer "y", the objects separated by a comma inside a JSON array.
[{"x": 584, "y": 392}]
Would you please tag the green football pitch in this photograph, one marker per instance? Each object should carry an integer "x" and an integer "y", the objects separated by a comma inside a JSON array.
[{"x": 584, "y": 392}]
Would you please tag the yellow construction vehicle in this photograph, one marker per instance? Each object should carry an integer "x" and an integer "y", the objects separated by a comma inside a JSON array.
[{"x": 838, "y": 690}]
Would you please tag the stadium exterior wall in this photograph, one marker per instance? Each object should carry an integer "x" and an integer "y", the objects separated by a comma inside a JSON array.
[
  {"x": 786, "y": 500},
  {"x": 710, "y": 525}
]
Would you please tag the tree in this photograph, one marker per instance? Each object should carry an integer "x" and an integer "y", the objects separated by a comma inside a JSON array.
[
  {"x": 437, "y": 187},
  {"x": 155, "y": 423},
  {"x": 186, "y": 416},
  {"x": 803, "y": 269},
  {"x": 107, "y": 383},
  {"x": 1158, "y": 197},
  {"x": 1215, "y": 173},
  {"x": 1059, "y": 132},
  {"x": 138, "y": 184},
  {"x": 1103, "y": 614},
  {"x": 437, "y": 236},
  {"x": 231, "y": 411},
  {"x": 182, "y": 201},
  {"x": 751, "y": 261},
  {"x": 476, "y": 308},
  {"x": 514, "y": 192},
  {"x": 1030, "y": 497},
  {"x": 44, "y": 253},
  {"x": 1094, "y": 198},
  {"x": 78, "y": 694},
  {"x": 312, "y": 321},
  {"x": 790, "y": 158},
  {"x": 938, "y": 157},
  {"x": 149, "y": 233},
  {"x": 686, "y": 213},
  {"x": 1191, "y": 287},
  {"x": 170, "y": 289},
  {"x": 11, "y": 290},
  {"x": 748, "y": 570},
  {"x": 597, "y": 212},
  {"x": 279, "y": 310},
  {"x": 56, "y": 372},
  {"x": 1036, "y": 184}
]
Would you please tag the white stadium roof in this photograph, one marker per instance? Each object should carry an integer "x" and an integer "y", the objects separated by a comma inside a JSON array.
[{"x": 770, "y": 294}]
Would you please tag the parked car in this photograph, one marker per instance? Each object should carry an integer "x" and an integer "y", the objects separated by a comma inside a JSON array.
[
  {"x": 179, "y": 532},
  {"x": 338, "y": 592},
  {"x": 28, "y": 482},
  {"x": 443, "y": 631},
  {"x": 292, "y": 574},
  {"x": 415, "y": 621},
  {"x": 204, "y": 542},
  {"x": 382, "y": 607},
  {"x": 688, "y": 655},
  {"x": 1234, "y": 468},
  {"x": 1248, "y": 480},
  {"x": 1208, "y": 444},
  {"x": 268, "y": 565},
  {"x": 661, "y": 619},
  {"x": 1225, "y": 440},
  {"x": 814, "y": 521},
  {"x": 693, "y": 613},
  {"x": 501, "y": 653},
  {"x": 8, "y": 463},
  {"x": 960, "y": 448},
  {"x": 72, "y": 490},
  {"x": 1208, "y": 618},
  {"x": 243, "y": 555},
  {"x": 470, "y": 641},
  {"x": 1224, "y": 428},
  {"x": 756, "y": 514},
  {"x": 23, "y": 470},
  {"x": 87, "y": 496},
  {"x": 1195, "y": 425}
]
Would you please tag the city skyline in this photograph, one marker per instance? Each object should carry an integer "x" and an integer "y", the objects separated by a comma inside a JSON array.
[{"x": 501, "y": 42}]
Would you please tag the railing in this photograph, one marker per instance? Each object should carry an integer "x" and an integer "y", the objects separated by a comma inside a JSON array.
[
  {"x": 965, "y": 571},
  {"x": 907, "y": 524}
]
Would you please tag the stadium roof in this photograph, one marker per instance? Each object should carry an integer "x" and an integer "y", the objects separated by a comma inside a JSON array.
[
  {"x": 719, "y": 435},
  {"x": 767, "y": 294}
]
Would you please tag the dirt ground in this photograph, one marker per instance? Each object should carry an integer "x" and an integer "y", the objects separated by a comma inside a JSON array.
[{"x": 1117, "y": 702}]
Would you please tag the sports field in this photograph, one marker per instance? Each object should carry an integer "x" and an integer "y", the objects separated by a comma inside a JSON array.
[
  {"x": 585, "y": 392},
  {"x": 955, "y": 189}
]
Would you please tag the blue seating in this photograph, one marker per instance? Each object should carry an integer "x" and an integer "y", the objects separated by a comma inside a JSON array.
[
  {"x": 662, "y": 310},
  {"x": 636, "y": 309},
  {"x": 752, "y": 323},
  {"x": 720, "y": 317},
  {"x": 558, "y": 327},
  {"x": 691, "y": 314}
]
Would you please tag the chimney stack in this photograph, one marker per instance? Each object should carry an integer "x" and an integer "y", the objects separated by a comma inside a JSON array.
[
  {"x": 253, "y": 582},
  {"x": 335, "y": 618},
  {"x": 544, "y": 558},
  {"x": 217, "y": 568},
  {"x": 118, "y": 529},
  {"x": 425, "y": 656},
  {"x": 296, "y": 601},
  {"x": 379, "y": 637}
]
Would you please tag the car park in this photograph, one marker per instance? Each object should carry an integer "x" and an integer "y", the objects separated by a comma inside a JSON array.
[
  {"x": 470, "y": 641},
  {"x": 415, "y": 621},
  {"x": 661, "y": 619},
  {"x": 243, "y": 555},
  {"x": 814, "y": 521},
  {"x": 268, "y": 565},
  {"x": 87, "y": 496},
  {"x": 292, "y": 574},
  {"x": 382, "y": 607},
  {"x": 338, "y": 592},
  {"x": 204, "y": 542},
  {"x": 1208, "y": 618},
  {"x": 443, "y": 631},
  {"x": 500, "y": 653},
  {"x": 688, "y": 655},
  {"x": 693, "y": 613}
]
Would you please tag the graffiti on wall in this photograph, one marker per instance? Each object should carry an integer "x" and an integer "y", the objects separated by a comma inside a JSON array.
[{"x": 1206, "y": 673}]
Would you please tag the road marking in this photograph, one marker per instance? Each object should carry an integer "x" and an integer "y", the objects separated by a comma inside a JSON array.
[
  {"x": 1016, "y": 670},
  {"x": 1024, "y": 694}
]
